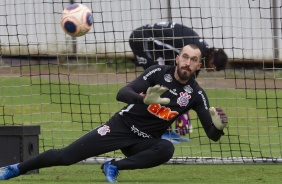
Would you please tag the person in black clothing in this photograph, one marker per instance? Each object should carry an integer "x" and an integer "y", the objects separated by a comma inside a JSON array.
[
  {"x": 155, "y": 100},
  {"x": 161, "y": 42},
  {"x": 158, "y": 44}
]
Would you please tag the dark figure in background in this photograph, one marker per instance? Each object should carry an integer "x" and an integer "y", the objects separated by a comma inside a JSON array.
[{"x": 160, "y": 43}]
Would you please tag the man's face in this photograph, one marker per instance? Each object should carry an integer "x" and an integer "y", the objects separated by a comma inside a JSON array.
[{"x": 188, "y": 62}]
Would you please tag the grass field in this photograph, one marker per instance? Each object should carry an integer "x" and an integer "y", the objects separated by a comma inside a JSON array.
[{"x": 171, "y": 174}]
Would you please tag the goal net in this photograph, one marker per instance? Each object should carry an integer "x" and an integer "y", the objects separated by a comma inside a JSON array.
[{"x": 68, "y": 85}]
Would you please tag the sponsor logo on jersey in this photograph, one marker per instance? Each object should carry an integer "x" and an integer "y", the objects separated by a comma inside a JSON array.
[
  {"x": 201, "y": 40},
  {"x": 145, "y": 77},
  {"x": 188, "y": 89},
  {"x": 141, "y": 60},
  {"x": 139, "y": 133},
  {"x": 173, "y": 92},
  {"x": 166, "y": 24},
  {"x": 167, "y": 78},
  {"x": 162, "y": 112},
  {"x": 204, "y": 99},
  {"x": 103, "y": 130},
  {"x": 184, "y": 98}
]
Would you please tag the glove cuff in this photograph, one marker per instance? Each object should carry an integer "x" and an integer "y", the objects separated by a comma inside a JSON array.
[{"x": 218, "y": 131}]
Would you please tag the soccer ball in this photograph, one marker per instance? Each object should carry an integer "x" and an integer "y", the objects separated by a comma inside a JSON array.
[{"x": 76, "y": 20}]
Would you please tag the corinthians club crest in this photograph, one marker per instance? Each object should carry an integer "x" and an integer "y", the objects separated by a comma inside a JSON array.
[
  {"x": 103, "y": 130},
  {"x": 183, "y": 100}
]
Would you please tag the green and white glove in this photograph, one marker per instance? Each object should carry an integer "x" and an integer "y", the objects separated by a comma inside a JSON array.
[
  {"x": 153, "y": 95},
  {"x": 219, "y": 118}
]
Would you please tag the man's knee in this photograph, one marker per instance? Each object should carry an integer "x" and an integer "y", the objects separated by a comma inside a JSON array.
[{"x": 164, "y": 148}]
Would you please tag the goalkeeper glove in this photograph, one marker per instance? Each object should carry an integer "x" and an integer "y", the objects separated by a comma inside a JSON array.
[
  {"x": 153, "y": 95},
  {"x": 219, "y": 118},
  {"x": 183, "y": 124}
]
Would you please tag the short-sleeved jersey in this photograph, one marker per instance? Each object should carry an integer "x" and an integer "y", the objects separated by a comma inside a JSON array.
[{"x": 154, "y": 119}]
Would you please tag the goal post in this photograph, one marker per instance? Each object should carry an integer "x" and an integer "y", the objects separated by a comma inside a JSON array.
[{"x": 68, "y": 86}]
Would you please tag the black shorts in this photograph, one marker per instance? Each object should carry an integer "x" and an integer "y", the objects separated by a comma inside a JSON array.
[{"x": 114, "y": 135}]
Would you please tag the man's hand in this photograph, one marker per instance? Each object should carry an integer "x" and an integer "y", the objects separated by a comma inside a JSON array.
[
  {"x": 219, "y": 118},
  {"x": 153, "y": 95}
]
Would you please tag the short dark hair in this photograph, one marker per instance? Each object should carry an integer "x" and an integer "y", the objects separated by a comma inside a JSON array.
[{"x": 219, "y": 56}]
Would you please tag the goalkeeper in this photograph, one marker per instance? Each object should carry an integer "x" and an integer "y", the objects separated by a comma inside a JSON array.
[
  {"x": 158, "y": 44},
  {"x": 155, "y": 100}
]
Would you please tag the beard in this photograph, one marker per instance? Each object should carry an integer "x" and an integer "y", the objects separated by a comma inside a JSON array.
[{"x": 184, "y": 74}]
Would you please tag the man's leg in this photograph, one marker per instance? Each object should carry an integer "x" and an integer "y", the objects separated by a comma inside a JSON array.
[
  {"x": 145, "y": 154},
  {"x": 142, "y": 153},
  {"x": 101, "y": 140}
]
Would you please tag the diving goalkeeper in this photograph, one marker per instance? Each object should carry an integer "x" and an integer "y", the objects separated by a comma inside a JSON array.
[{"x": 155, "y": 100}]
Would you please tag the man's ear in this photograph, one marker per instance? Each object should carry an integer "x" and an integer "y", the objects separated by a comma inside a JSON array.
[
  {"x": 176, "y": 59},
  {"x": 199, "y": 66}
]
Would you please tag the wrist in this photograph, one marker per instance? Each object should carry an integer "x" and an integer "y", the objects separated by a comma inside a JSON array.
[{"x": 141, "y": 97}]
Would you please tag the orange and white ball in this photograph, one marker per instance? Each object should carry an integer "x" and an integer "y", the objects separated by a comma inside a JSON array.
[{"x": 76, "y": 20}]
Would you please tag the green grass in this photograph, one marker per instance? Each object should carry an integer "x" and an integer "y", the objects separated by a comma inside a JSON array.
[{"x": 231, "y": 174}]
